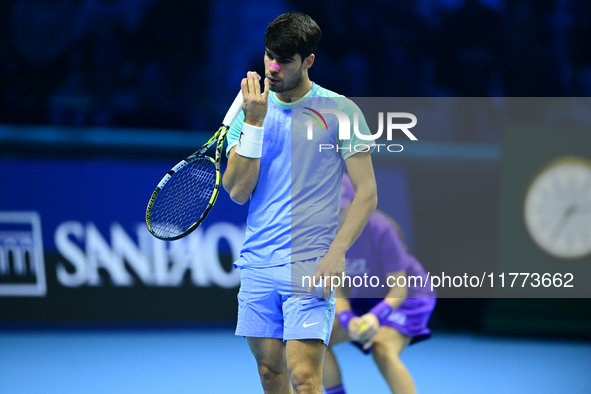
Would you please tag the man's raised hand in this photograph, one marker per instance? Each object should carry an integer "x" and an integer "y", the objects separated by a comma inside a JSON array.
[{"x": 255, "y": 103}]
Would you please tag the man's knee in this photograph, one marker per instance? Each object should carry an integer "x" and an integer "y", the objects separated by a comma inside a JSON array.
[
  {"x": 269, "y": 355},
  {"x": 270, "y": 372},
  {"x": 303, "y": 378},
  {"x": 304, "y": 363},
  {"x": 270, "y": 365}
]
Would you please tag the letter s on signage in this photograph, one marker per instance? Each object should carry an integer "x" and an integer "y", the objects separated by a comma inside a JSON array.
[{"x": 72, "y": 253}]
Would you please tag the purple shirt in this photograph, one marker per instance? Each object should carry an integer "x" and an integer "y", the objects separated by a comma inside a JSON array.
[{"x": 377, "y": 252}]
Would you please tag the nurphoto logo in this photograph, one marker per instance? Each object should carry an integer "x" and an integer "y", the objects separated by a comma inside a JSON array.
[{"x": 344, "y": 132}]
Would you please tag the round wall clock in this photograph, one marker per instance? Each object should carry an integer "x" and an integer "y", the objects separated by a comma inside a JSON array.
[{"x": 557, "y": 208}]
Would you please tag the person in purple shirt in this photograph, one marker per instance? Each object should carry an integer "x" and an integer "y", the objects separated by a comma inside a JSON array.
[{"x": 381, "y": 321}]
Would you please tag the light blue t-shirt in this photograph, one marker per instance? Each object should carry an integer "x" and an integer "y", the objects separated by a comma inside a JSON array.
[{"x": 294, "y": 208}]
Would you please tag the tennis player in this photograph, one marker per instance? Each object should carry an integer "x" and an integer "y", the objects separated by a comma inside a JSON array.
[
  {"x": 288, "y": 330},
  {"x": 382, "y": 326}
]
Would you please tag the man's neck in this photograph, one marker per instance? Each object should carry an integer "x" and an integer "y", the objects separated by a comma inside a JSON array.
[{"x": 296, "y": 93}]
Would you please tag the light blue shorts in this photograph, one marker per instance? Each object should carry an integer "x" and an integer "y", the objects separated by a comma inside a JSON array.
[{"x": 271, "y": 304}]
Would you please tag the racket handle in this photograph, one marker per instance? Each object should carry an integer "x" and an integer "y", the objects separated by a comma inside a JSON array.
[{"x": 235, "y": 109}]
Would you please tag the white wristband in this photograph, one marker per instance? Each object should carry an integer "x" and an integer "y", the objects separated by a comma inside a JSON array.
[{"x": 250, "y": 142}]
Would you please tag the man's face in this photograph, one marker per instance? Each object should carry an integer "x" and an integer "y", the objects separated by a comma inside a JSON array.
[{"x": 288, "y": 77}]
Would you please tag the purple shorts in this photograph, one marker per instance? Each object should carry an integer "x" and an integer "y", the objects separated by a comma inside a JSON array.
[{"x": 409, "y": 319}]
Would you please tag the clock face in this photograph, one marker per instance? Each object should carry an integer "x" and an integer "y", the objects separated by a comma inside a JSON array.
[{"x": 557, "y": 208}]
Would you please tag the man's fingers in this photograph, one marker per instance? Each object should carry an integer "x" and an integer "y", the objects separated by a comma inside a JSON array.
[
  {"x": 266, "y": 91},
  {"x": 257, "y": 84},
  {"x": 320, "y": 279},
  {"x": 313, "y": 281},
  {"x": 251, "y": 82},
  {"x": 323, "y": 280},
  {"x": 244, "y": 87}
]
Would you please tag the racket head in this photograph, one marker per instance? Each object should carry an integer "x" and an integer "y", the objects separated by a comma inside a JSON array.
[{"x": 183, "y": 198}]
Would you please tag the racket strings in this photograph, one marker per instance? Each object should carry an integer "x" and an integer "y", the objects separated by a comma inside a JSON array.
[{"x": 184, "y": 199}]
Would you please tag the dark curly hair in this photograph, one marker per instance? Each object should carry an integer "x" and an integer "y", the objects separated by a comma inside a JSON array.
[{"x": 291, "y": 33}]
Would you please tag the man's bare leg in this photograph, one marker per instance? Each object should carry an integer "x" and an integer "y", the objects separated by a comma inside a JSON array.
[
  {"x": 304, "y": 362},
  {"x": 270, "y": 355}
]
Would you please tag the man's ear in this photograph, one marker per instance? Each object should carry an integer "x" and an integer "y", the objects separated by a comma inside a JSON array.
[{"x": 309, "y": 61}]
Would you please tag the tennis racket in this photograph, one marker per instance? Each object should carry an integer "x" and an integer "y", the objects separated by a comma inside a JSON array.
[{"x": 186, "y": 194}]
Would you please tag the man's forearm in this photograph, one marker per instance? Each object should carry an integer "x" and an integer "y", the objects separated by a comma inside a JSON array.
[
  {"x": 362, "y": 207},
  {"x": 241, "y": 177}
]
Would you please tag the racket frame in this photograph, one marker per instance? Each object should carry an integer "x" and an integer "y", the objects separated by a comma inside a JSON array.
[{"x": 219, "y": 136}]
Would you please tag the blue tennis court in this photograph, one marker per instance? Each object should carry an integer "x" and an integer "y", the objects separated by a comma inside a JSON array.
[{"x": 215, "y": 361}]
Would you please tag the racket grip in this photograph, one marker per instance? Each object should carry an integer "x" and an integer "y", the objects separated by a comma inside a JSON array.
[{"x": 235, "y": 109}]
